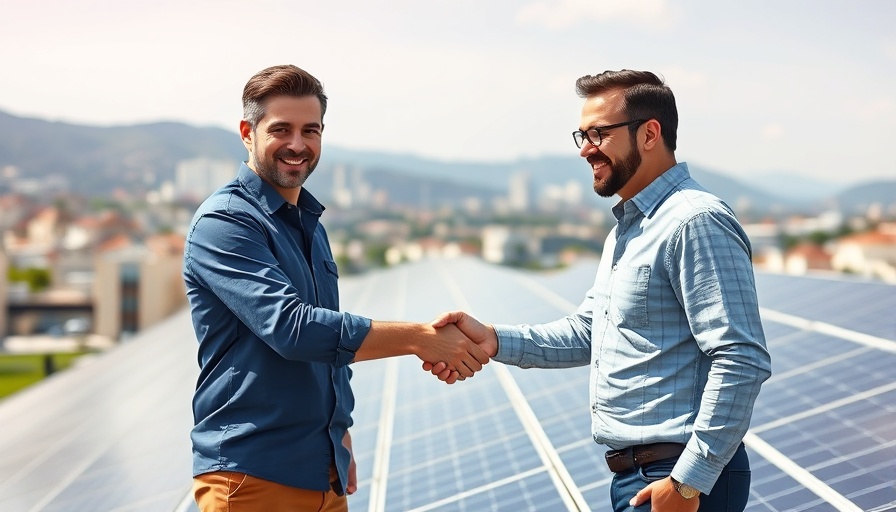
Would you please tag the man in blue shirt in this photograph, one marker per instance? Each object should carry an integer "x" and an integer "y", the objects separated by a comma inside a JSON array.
[
  {"x": 273, "y": 404},
  {"x": 671, "y": 325}
]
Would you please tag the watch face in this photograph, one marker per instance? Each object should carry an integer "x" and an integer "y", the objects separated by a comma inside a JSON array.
[{"x": 686, "y": 491}]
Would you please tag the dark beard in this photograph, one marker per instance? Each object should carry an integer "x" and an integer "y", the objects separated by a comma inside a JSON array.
[
  {"x": 620, "y": 173},
  {"x": 267, "y": 169}
]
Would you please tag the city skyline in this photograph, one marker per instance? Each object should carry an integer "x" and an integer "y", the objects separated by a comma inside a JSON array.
[{"x": 801, "y": 87}]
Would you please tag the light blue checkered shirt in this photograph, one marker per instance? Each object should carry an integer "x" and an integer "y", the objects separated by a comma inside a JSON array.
[{"x": 671, "y": 328}]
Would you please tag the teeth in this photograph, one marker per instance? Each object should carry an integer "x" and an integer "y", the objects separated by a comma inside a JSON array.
[{"x": 292, "y": 162}]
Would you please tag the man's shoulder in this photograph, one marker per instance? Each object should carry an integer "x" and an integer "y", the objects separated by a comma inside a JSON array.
[
  {"x": 227, "y": 211},
  {"x": 691, "y": 195},
  {"x": 229, "y": 199}
]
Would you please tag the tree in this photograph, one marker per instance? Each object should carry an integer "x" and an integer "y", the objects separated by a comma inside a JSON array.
[{"x": 37, "y": 278}]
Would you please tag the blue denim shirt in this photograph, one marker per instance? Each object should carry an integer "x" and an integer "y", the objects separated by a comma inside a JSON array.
[
  {"x": 273, "y": 398},
  {"x": 671, "y": 328}
]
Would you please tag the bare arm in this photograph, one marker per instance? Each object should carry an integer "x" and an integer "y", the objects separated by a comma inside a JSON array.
[{"x": 446, "y": 343}]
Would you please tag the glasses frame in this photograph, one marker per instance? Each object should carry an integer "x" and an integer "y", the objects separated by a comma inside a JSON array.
[{"x": 583, "y": 134}]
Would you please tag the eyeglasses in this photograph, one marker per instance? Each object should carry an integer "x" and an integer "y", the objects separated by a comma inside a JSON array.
[{"x": 593, "y": 134}]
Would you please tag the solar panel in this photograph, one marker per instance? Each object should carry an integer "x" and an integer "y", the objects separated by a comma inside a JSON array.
[
  {"x": 852, "y": 303},
  {"x": 113, "y": 435},
  {"x": 833, "y": 391}
]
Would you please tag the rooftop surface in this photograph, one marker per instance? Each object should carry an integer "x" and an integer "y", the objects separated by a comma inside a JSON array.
[{"x": 113, "y": 434}]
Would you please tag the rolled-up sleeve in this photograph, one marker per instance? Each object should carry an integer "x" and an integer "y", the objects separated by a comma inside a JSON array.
[{"x": 354, "y": 330}]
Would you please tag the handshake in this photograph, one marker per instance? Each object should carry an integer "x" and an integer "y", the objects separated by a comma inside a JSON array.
[{"x": 460, "y": 347}]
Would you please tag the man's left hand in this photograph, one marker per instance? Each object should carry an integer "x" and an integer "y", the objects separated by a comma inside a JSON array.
[
  {"x": 352, "y": 485},
  {"x": 664, "y": 498}
]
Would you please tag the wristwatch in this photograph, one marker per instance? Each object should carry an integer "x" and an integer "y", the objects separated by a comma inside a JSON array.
[{"x": 687, "y": 492}]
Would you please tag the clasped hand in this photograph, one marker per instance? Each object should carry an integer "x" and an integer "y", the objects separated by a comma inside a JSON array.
[{"x": 479, "y": 333}]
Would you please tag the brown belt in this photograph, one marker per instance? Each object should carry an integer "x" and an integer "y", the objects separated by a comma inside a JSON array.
[{"x": 637, "y": 456}]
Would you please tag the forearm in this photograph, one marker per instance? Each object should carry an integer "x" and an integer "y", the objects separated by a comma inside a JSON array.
[
  {"x": 390, "y": 339},
  {"x": 433, "y": 344},
  {"x": 564, "y": 343}
]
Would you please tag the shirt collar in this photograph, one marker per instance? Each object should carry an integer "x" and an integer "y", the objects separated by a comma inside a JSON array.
[
  {"x": 268, "y": 197},
  {"x": 653, "y": 195}
]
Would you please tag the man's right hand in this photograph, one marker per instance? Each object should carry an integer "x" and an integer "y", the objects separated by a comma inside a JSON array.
[
  {"x": 453, "y": 345},
  {"x": 479, "y": 333}
]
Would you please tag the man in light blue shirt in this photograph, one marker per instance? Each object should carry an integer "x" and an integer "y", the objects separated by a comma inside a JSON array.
[{"x": 670, "y": 327}]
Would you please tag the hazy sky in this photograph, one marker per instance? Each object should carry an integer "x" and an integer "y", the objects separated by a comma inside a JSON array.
[{"x": 804, "y": 86}]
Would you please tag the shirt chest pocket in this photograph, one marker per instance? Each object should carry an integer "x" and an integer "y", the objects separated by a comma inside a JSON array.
[
  {"x": 326, "y": 274},
  {"x": 629, "y": 297}
]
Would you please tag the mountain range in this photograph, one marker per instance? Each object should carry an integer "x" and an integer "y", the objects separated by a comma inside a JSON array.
[{"x": 94, "y": 161}]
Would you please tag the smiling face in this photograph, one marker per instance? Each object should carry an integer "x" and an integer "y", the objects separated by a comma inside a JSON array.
[
  {"x": 617, "y": 159},
  {"x": 284, "y": 147}
]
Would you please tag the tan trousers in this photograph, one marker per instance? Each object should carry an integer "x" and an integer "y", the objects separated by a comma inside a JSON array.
[{"x": 228, "y": 491}]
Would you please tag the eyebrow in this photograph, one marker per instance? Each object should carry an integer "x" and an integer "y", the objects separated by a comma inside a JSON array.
[{"x": 281, "y": 124}]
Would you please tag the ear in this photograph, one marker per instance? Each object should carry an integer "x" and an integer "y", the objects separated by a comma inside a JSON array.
[
  {"x": 653, "y": 134},
  {"x": 246, "y": 134}
]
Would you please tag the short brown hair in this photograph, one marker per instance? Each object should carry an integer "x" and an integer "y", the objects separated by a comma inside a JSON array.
[
  {"x": 285, "y": 80},
  {"x": 646, "y": 96}
]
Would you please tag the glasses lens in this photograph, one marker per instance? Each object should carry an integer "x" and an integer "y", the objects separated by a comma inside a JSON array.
[
  {"x": 579, "y": 137},
  {"x": 593, "y": 137}
]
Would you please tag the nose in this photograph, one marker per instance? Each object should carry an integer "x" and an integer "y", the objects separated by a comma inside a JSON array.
[
  {"x": 297, "y": 141},
  {"x": 587, "y": 149}
]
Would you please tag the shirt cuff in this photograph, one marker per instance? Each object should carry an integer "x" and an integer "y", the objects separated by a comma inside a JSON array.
[
  {"x": 354, "y": 330},
  {"x": 697, "y": 471},
  {"x": 510, "y": 345}
]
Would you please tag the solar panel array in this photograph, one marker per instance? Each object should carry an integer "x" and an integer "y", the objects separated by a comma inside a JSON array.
[
  {"x": 114, "y": 433},
  {"x": 111, "y": 434}
]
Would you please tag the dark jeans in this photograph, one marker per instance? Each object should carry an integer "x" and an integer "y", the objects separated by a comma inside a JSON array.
[{"x": 730, "y": 494}]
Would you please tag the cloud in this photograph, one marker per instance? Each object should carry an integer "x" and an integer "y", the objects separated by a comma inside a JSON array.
[
  {"x": 679, "y": 78},
  {"x": 772, "y": 131},
  {"x": 560, "y": 14},
  {"x": 889, "y": 49},
  {"x": 870, "y": 109}
]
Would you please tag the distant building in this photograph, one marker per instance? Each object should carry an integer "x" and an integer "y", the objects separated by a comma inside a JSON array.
[
  {"x": 350, "y": 189},
  {"x": 769, "y": 258},
  {"x": 44, "y": 229},
  {"x": 501, "y": 244},
  {"x": 89, "y": 232},
  {"x": 342, "y": 194},
  {"x": 763, "y": 236},
  {"x": 870, "y": 254},
  {"x": 4, "y": 266},
  {"x": 431, "y": 247},
  {"x": 197, "y": 178},
  {"x": 555, "y": 197},
  {"x": 35, "y": 233},
  {"x": 805, "y": 257},
  {"x": 519, "y": 192},
  {"x": 138, "y": 285},
  {"x": 827, "y": 222}
]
